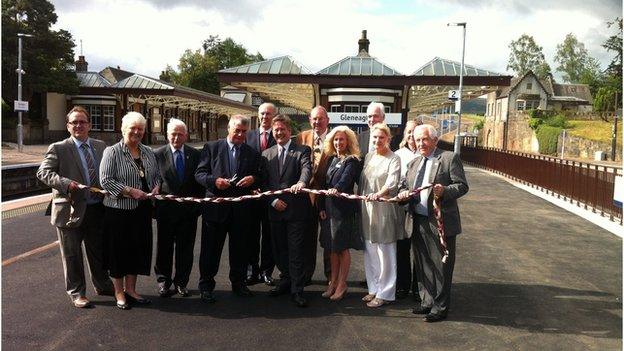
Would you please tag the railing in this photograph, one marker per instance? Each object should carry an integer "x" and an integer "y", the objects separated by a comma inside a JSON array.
[{"x": 588, "y": 185}]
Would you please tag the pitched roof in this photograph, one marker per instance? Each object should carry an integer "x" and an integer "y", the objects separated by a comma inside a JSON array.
[
  {"x": 443, "y": 67},
  {"x": 91, "y": 80},
  {"x": 278, "y": 65},
  {"x": 360, "y": 65},
  {"x": 138, "y": 81},
  {"x": 576, "y": 92},
  {"x": 516, "y": 80}
]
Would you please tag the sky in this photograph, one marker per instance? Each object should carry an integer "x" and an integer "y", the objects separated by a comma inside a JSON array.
[{"x": 144, "y": 36}]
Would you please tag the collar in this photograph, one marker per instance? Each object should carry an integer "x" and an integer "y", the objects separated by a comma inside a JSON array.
[
  {"x": 432, "y": 155},
  {"x": 173, "y": 149},
  {"x": 322, "y": 136},
  {"x": 286, "y": 147},
  {"x": 79, "y": 143},
  {"x": 262, "y": 130},
  {"x": 230, "y": 144}
]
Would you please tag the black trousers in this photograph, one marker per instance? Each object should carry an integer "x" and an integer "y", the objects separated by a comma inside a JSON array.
[
  {"x": 236, "y": 228},
  {"x": 434, "y": 277},
  {"x": 260, "y": 254},
  {"x": 177, "y": 229},
  {"x": 311, "y": 243},
  {"x": 288, "y": 250},
  {"x": 406, "y": 268}
]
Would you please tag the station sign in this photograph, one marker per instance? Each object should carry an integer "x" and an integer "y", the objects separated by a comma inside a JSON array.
[
  {"x": 20, "y": 106},
  {"x": 360, "y": 118},
  {"x": 453, "y": 95}
]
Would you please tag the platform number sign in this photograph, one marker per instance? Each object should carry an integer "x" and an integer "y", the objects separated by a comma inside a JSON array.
[{"x": 453, "y": 95}]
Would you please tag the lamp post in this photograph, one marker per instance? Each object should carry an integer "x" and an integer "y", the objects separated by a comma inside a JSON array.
[
  {"x": 457, "y": 147},
  {"x": 20, "y": 71}
]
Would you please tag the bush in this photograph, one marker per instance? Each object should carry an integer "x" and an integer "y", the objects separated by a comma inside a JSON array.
[
  {"x": 557, "y": 121},
  {"x": 547, "y": 137},
  {"x": 478, "y": 125},
  {"x": 534, "y": 123},
  {"x": 541, "y": 114}
]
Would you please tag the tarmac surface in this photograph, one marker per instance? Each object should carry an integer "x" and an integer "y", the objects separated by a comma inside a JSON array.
[{"x": 528, "y": 276}]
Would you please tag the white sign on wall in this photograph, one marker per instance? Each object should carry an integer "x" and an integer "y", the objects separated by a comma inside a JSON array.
[
  {"x": 20, "y": 106},
  {"x": 360, "y": 118}
]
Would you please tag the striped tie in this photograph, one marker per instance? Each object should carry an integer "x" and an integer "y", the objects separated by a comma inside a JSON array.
[{"x": 90, "y": 164}]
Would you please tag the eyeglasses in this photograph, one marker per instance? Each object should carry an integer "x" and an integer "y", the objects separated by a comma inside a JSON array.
[{"x": 76, "y": 123}]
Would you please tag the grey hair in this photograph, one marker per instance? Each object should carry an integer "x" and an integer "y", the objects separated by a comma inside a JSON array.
[
  {"x": 173, "y": 123},
  {"x": 374, "y": 105},
  {"x": 131, "y": 118},
  {"x": 433, "y": 133},
  {"x": 239, "y": 119},
  {"x": 268, "y": 104}
]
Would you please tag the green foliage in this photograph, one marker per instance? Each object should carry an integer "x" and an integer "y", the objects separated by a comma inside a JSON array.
[
  {"x": 575, "y": 62},
  {"x": 527, "y": 55},
  {"x": 614, "y": 43},
  {"x": 198, "y": 69},
  {"x": 547, "y": 138},
  {"x": 542, "y": 114},
  {"x": 604, "y": 100},
  {"x": 558, "y": 121},
  {"x": 534, "y": 123},
  {"x": 47, "y": 57},
  {"x": 478, "y": 125}
]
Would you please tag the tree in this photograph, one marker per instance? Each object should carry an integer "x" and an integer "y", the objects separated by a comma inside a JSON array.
[
  {"x": 575, "y": 62},
  {"x": 614, "y": 43},
  {"x": 198, "y": 69},
  {"x": 527, "y": 55},
  {"x": 47, "y": 57}
]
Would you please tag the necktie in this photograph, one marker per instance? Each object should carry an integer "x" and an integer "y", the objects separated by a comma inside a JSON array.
[
  {"x": 419, "y": 178},
  {"x": 90, "y": 164},
  {"x": 318, "y": 148},
  {"x": 264, "y": 140},
  {"x": 179, "y": 163},
  {"x": 234, "y": 161},
  {"x": 281, "y": 159}
]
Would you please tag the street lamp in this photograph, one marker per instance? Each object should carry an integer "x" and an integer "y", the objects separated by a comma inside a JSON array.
[
  {"x": 461, "y": 83},
  {"x": 20, "y": 71}
]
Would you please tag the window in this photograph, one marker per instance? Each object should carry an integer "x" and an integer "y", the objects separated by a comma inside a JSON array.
[
  {"x": 532, "y": 104},
  {"x": 520, "y": 105},
  {"x": 96, "y": 117},
  {"x": 108, "y": 118},
  {"x": 334, "y": 108},
  {"x": 529, "y": 86},
  {"x": 351, "y": 108},
  {"x": 386, "y": 109}
]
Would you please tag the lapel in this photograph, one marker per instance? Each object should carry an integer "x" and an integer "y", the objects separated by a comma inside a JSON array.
[
  {"x": 289, "y": 156},
  {"x": 224, "y": 154},
  {"x": 170, "y": 169},
  {"x": 435, "y": 165},
  {"x": 187, "y": 162},
  {"x": 73, "y": 150}
]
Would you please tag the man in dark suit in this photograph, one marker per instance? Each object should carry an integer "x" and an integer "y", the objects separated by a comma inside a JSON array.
[
  {"x": 76, "y": 213},
  {"x": 176, "y": 222},
  {"x": 287, "y": 165},
  {"x": 375, "y": 113},
  {"x": 443, "y": 169},
  {"x": 260, "y": 257},
  {"x": 228, "y": 168}
]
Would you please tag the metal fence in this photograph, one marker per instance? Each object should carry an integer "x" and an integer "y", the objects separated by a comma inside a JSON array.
[{"x": 588, "y": 185}]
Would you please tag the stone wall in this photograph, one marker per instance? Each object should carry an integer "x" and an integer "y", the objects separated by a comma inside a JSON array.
[
  {"x": 520, "y": 137},
  {"x": 576, "y": 147}
]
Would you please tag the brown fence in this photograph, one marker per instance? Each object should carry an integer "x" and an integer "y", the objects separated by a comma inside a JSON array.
[{"x": 588, "y": 185}]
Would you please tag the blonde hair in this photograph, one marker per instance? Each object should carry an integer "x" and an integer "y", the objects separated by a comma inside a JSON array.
[
  {"x": 404, "y": 141},
  {"x": 353, "y": 149}
]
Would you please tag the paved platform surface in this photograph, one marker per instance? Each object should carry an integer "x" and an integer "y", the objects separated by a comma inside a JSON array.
[{"x": 529, "y": 276}]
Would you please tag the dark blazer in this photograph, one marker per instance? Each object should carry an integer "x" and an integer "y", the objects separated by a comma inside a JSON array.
[
  {"x": 297, "y": 168},
  {"x": 214, "y": 163},
  {"x": 170, "y": 182},
  {"x": 253, "y": 140},
  {"x": 447, "y": 170},
  {"x": 363, "y": 140},
  {"x": 343, "y": 179}
]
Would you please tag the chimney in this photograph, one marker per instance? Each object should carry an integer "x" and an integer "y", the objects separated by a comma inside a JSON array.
[
  {"x": 363, "y": 45},
  {"x": 81, "y": 64}
]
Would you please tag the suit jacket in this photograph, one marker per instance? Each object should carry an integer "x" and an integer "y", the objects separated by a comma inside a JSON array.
[
  {"x": 318, "y": 174},
  {"x": 447, "y": 170},
  {"x": 253, "y": 140},
  {"x": 172, "y": 185},
  {"x": 297, "y": 168},
  {"x": 60, "y": 166},
  {"x": 363, "y": 140},
  {"x": 214, "y": 163}
]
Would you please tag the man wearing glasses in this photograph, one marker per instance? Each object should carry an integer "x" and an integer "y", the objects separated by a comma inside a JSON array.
[{"x": 77, "y": 213}]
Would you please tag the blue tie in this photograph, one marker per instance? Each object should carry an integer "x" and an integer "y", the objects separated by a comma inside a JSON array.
[{"x": 179, "y": 163}]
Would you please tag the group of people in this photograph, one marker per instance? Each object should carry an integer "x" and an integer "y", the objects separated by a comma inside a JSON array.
[{"x": 278, "y": 230}]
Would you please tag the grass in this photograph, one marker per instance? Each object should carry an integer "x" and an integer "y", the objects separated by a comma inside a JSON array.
[{"x": 594, "y": 130}]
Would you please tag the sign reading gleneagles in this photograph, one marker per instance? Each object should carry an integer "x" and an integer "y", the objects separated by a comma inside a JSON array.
[{"x": 338, "y": 118}]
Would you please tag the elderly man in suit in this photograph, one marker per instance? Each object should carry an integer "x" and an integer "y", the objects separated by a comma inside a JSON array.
[
  {"x": 375, "y": 114},
  {"x": 77, "y": 213},
  {"x": 444, "y": 170},
  {"x": 261, "y": 263},
  {"x": 287, "y": 165},
  {"x": 176, "y": 222},
  {"x": 314, "y": 138},
  {"x": 228, "y": 168}
]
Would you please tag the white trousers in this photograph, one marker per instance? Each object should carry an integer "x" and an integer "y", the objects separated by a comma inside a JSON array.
[{"x": 380, "y": 267}]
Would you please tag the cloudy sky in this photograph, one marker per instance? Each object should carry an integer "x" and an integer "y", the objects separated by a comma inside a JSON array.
[{"x": 144, "y": 36}]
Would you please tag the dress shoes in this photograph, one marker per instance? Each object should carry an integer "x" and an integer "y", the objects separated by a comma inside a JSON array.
[
  {"x": 163, "y": 290},
  {"x": 298, "y": 300},
  {"x": 253, "y": 279},
  {"x": 421, "y": 310},
  {"x": 268, "y": 280},
  {"x": 401, "y": 294},
  {"x": 82, "y": 302},
  {"x": 139, "y": 301},
  {"x": 279, "y": 290},
  {"x": 434, "y": 317},
  {"x": 207, "y": 296},
  {"x": 123, "y": 305},
  {"x": 242, "y": 291},
  {"x": 182, "y": 291}
]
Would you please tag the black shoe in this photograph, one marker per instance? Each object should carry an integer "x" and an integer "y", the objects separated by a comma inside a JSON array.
[
  {"x": 298, "y": 300},
  {"x": 308, "y": 282},
  {"x": 123, "y": 306},
  {"x": 268, "y": 280},
  {"x": 421, "y": 310},
  {"x": 182, "y": 291},
  {"x": 207, "y": 296},
  {"x": 401, "y": 294},
  {"x": 253, "y": 279},
  {"x": 434, "y": 317},
  {"x": 363, "y": 284},
  {"x": 242, "y": 291},
  {"x": 163, "y": 290},
  {"x": 279, "y": 290},
  {"x": 139, "y": 301}
]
